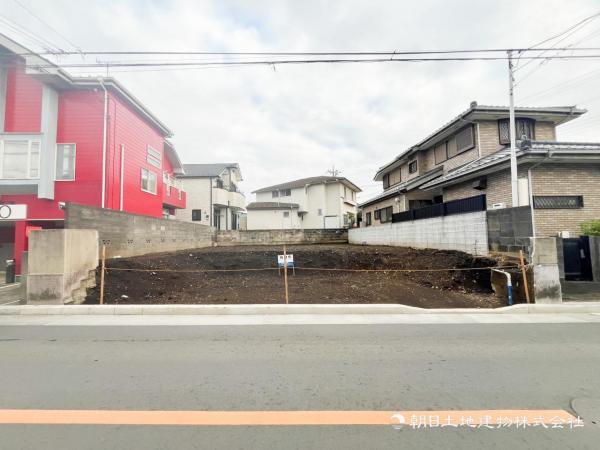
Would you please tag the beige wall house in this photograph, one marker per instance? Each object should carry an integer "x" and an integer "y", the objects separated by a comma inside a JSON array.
[
  {"x": 308, "y": 203},
  {"x": 213, "y": 196},
  {"x": 469, "y": 156}
]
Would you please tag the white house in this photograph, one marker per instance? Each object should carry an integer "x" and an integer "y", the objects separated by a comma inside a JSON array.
[
  {"x": 308, "y": 203},
  {"x": 213, "y": 196}
]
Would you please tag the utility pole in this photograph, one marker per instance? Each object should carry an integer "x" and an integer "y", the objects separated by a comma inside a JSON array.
[{"x": 514, "y": 182}]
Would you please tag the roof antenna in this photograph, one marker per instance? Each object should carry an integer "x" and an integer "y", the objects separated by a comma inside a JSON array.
[{"x": 333, "y": 171}]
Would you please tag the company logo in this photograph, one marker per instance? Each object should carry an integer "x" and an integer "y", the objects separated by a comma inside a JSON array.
[{"x": 5, "y": 211}]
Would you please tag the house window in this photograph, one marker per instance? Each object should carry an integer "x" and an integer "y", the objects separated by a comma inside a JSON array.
[
  {"x": 557, "y": 201},
  {"x": 368, "y": 219},
  {"x": 148, "y": 181},
  {"x": 412, "y": 166},
  {"x": 525, "y": 127},
  {"x": 286, "y": 214},
  {"x": 465, "y": 140},
  {"x": 65, "y": 161},
  {"x": 153, "y": 157},
  {"x": 385, "y": 214},
  {"x": 275, "y": 194},
  {"x": 386, "y": 181},
  {"x": 196, "y": 215},
  {"x": 439, "y": 152},
  {"x": 286, "y": 192},
  {"x": 19, "y": 159}
]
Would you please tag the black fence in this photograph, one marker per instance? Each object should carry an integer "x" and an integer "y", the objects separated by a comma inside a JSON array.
[{"x": 462, "y": 206}]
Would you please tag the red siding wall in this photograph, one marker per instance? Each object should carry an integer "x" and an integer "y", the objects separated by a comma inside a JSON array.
[
  {"x": 79, "y": 122},
  {"x": 23, "y": 102},
  {"x": 127, "y": 128}
]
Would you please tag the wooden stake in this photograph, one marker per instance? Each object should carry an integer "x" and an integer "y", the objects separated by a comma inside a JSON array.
[
  {"x": 524, "y": 272},
  {"x": 285, "y": 277},
  {"x": 102, "y": 274}
]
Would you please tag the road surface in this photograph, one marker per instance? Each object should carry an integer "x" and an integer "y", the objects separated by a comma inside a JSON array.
[{"x": 398, "y": 367}]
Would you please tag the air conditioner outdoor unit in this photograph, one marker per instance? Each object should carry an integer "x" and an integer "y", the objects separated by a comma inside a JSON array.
[{"x": 498, "y": 205}]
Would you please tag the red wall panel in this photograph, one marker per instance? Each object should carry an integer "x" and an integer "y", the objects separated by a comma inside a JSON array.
[
  {"x": 127, "y": 128},
  {"x": 23, "y": 111}
]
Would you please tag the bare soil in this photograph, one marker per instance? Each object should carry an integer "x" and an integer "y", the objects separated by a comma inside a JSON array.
[{"x": 444, "y": 289}]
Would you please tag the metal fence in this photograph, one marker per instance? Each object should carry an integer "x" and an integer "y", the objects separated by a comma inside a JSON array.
[{"x": 461, "y": 206}]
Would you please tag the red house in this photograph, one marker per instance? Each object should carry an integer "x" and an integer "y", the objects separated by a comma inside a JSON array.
[{"x": 75, "y": 139}]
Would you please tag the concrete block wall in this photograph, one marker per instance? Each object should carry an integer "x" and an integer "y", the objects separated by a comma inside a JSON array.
[
  {"x": 509, "y": 229},
  {"x": 266, "y": 237},
  {"x": 463, "y": 232},
  {"x": 127, "y": 234},
  {"x": 59, "y": 263}
]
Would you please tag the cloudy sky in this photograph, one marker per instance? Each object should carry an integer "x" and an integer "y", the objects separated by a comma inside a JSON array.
[{"x": 296, "y": 121}]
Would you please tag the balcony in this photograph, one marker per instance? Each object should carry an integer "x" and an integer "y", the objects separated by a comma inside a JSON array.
[
  {"x": 228, "y": 198},
  {"x": 173, "y": 197}
]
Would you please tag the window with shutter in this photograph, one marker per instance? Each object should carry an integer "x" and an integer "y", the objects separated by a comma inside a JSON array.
[
  {"x": 439, "y": 152},
  {"x": 465, "y": 140}
]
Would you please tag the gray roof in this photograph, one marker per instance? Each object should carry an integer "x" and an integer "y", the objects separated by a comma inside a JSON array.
[
  {"x": 498, "y": 159},
  {"x": 272, "y": 205},
  {"x": 406, "y": 186},
  {"x": 207, "y": 170},
  {"x": 311, "y": 180},
  {"x": 558, "y": 114}
]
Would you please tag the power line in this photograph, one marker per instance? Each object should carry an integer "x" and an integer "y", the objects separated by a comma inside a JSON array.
[
  {"x": 562, "y": 84},
  {"x": 336, "y": 53},
  {"x": 47, "y": 24},
  {"x": 300, "y": 61},
  {"x": 48, "y": 46},
  {"x": 593, "y": 16},
  {"x": 570, "y": 31}
]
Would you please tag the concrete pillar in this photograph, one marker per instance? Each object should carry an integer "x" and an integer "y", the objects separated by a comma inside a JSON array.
[
  {"x": 595, "y": 256},
  {"x": 546, "y": 276}
]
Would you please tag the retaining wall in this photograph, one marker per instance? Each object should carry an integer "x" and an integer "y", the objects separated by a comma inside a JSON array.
[
  {"x": 463, "y": 232},
  {"x": 276, "y": 237},
  {"x": 127, "y": 234}
]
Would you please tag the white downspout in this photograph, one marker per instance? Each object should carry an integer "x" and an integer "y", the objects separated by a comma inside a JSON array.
[{"x": 104, "y": 142}]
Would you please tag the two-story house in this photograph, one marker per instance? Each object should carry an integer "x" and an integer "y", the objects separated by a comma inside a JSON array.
[
  {"x": 213, "y": 195},
  {"x": 470, "y": 156},
  {"x": 308, "y": 203},
  {"x": 75, "y": 139}
]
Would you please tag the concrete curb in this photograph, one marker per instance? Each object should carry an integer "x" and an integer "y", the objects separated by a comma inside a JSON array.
[{"x": 572, "y": 307}]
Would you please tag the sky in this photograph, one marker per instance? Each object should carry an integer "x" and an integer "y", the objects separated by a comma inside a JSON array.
[{"x": 287, "y": 122}]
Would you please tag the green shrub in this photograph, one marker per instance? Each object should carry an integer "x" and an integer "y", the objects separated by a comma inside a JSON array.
[{"x": 591, "y": 227}]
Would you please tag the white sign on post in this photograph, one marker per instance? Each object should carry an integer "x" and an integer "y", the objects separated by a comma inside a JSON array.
[
  {"x": 13, "y": 212},
  {"x": 290, "y": 260}
]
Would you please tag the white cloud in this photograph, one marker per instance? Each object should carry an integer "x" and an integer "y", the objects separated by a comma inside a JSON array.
[{"x": 298, "y": 121}]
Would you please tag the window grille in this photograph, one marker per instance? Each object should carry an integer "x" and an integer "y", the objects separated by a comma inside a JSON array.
[{"x": 557, "y": 201}]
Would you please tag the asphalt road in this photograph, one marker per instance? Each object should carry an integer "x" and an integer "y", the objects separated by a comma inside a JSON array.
[{"x": 297, "y": 367}]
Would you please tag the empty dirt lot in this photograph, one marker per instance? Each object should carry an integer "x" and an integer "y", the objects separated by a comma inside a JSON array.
[{"x": 152, "y": 285}]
